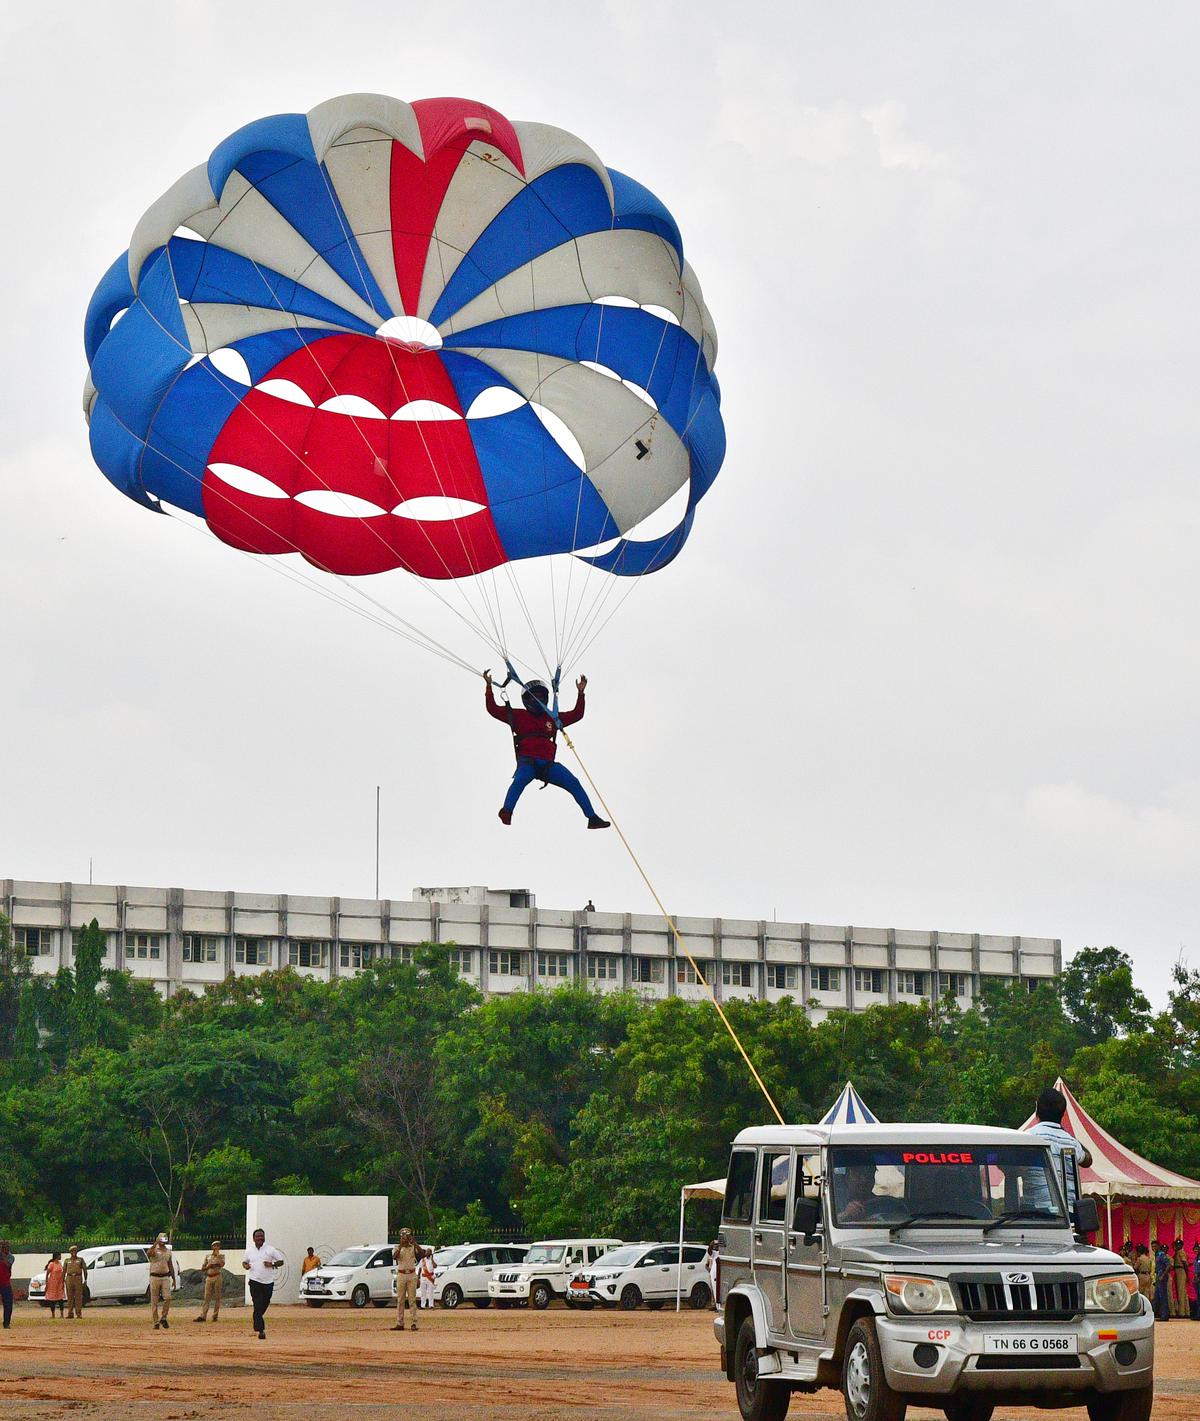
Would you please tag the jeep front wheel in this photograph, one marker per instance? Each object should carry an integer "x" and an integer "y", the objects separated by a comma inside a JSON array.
[
  {"x": 757, "y": 1400},
  {"x": 540, "y": 1295},
  {"x": 1122, "y": 1405},
  {"x": 864, "y": 1386}
]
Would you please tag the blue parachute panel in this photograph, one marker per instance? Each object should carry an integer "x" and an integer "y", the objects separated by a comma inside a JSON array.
[
  {"x": 563, "y": 203},
  {"x": 285, "y": 133},
  {"x": 637, "y": 207},
  {"x": 115, "y": 293},
  {"x": 633, "y": 558}
]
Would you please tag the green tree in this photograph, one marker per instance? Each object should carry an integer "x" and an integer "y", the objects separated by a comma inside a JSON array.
[
  {"x": 85, "y": 1007},
  {"x": 14, "y": 974},
  {"x": 1099, "y": 997}
]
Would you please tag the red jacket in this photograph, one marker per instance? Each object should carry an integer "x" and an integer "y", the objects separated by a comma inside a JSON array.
[{"x": 533, "y": 733}]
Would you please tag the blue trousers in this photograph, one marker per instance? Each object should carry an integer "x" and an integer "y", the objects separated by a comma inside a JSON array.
[{"x": 553, "y": 773}]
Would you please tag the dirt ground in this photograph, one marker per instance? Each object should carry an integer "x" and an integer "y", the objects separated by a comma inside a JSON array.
[{"x": 497, "y": 1366}]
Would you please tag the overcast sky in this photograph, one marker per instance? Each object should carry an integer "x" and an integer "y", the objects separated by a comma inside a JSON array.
[{"x": 930, "y": 657}]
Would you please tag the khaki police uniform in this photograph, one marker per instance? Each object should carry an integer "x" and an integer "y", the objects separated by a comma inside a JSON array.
[
  {"x": 1144, "y": 1269},
  {"x": 405, "y": 1258},
  {"x": 212, "y": 1268},
  {"x": 162, "y": 1272},
  {"x": 74, "y": 1274},
  {"x": 1180, "y": 1271}
]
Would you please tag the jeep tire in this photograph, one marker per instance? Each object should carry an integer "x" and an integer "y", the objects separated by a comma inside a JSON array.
[
  {"x": 631, "y": 1297},
  {"x": 539, "y": 1295},
  {"x": 864, "y": 1387},
  {"x": 1121, "y": 1405},
  {"x": 451, "y": 1296},
  {"x": 757, "y": 1400},
  {"x": 360, "y": 1297},
  {"x": 969, "y": 1408}
]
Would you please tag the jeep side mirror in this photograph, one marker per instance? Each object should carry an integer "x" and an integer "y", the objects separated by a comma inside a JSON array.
[
  {"x": 806, "y": 1218},
  {"x": 1087, "y": 1215}
]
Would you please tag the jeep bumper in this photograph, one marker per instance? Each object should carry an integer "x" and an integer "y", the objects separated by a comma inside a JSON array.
[{"x": 957, "y": 1358}]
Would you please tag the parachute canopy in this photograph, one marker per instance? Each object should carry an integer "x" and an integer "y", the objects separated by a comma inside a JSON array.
[{"x": 388, "y": 335}]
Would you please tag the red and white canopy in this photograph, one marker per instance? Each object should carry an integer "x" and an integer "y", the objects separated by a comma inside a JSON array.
[{"x": 1115, "y": 1171}]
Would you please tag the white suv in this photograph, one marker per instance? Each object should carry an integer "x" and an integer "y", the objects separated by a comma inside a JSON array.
[
  {"x": 545, "y": 1270},
  {"x": 462, "y": 1274},
  {"x": 643, "y": 1272},
  {"x": 357, "y": 1276},
  {"x": 116, "y": 1272}
]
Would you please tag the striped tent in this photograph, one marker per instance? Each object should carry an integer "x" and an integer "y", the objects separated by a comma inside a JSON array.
[
  {"x": 1142, "y": 1200},
  {"x": 848, "y": 1109}
]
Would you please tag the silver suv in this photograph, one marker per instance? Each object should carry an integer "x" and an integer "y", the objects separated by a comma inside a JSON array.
[{"x": 925, "y": 1264}]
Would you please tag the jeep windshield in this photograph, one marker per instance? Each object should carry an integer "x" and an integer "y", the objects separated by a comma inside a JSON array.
[
  {"x": 545, "y": 1253},
  {"x": 944, "y": 1186},
  {"x": 351, "y": 1258}
]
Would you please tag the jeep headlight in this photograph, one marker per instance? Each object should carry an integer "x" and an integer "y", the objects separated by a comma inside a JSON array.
[
  {"x": 1115, "y": 1294},
  {"x": 918, "y": 1295}
]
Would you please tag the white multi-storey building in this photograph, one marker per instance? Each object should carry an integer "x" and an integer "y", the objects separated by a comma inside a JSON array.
[{"x": 502, "y": 942}]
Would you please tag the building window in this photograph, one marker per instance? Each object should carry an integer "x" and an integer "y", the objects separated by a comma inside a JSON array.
[
  {"x": 1032, "y": 983},
  {"x": 912, "y": 984},
  {"x": 308, "y": 952},
  {"x": 958, "y": 984},
  {"x": 33, "y": 942},
  {"x": 358, "y": 954},
  {"x": 737, "y": 974},
  {"x": 647, "y": 969},
  {"x": 77, "y": 935},
  {"x": 869, "y": 980},
  {"x": 687, "y": 975},
  {"x": 519, "y": 898},
  {"x": 197, "y": 948},
  {"x": 144, "y": 945},
  {"x": 781, "y": 976},
  {"x": 505, "y": 963},
  {"x": 552, "y": 964},
  {"x": 253, "y": 951},
  {"x": 462, "y": 959},
  {"x": 603, "y": 966},
  {"x": 825, "y": 979}
]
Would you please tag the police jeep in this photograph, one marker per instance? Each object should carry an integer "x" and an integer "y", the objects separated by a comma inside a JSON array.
[{"x": 932, "y": 1265}]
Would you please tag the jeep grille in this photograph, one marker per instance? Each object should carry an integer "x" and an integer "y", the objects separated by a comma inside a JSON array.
[{"x": 1049, "y": 1296}]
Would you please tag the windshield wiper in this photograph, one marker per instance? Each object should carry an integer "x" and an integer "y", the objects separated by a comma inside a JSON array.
[
  {"x": 931, "y": 1214},
  {"x": 1024, "y": 1214}
]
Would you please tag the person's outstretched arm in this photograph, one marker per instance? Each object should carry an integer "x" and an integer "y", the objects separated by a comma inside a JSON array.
[
  {"x": 576, "y": 713},
  {"x": 494, "y": 708}
]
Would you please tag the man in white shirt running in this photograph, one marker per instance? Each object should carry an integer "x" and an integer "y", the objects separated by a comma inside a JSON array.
[
  {"x": 1051, "y": 1107},
  {"x": 261, "y": 1261}
]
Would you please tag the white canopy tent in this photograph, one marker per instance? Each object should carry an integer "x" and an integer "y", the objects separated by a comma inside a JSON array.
[{"x": 706, "y": 1189}]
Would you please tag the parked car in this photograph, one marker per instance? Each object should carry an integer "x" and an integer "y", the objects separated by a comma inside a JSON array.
[
  {"x": 462, "y": 1273},
  {"x": 927, "y": 1265},
  {"x": 626, "y": 1277},
  {"x": 357, "y": 1276},
  {"x": 545, "y": 1270},
  {"x": 118, "y": 1272}
]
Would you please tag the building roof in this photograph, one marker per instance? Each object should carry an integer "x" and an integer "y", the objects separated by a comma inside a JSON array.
[{"x": 1117, "y": 1171}]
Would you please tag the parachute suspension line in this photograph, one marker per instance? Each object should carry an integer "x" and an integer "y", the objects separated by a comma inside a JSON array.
[
  {"x": 478, "y": 630},
  {"x": 670, "y": 921}
]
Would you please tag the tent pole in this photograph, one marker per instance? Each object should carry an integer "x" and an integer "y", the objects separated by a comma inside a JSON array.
[
  {"x": 679, "y": 1260},
  {"x": 1109, "y": 1240}
]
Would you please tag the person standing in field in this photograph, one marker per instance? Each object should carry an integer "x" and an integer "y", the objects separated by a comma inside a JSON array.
[
  {"x": 711, "y": 1259},
  {"x": 6, "y": 1267},
  {"x": 1162, "y": 1282},
  {"x": 261, "y": 1262},
  {"x": 74, "y": 1277},
  {"x": 1145, "y": 1271},
  {"x": 309, "y": 1261},
  {"x": 1196, "y": 1284},
  {"x": 163, "y": 1274},
  {"x": 212, "y": 1268},
  {"x": 56, "y": 1289},
  {"x": 1180, "y": 1272},
  {"x": 404, "y": 1256},
  {"x": 425, "y": 1278}
]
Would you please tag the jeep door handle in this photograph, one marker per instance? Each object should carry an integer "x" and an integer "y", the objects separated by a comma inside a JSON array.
[{"x": 758, "y": 1238}]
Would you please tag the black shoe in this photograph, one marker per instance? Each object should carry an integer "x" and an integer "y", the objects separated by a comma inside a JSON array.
[
  {"x": 595, "y": 822},
  {"x": 262, "y": 1336},
  {"x": 166, "y": 1323},
  {"x": 157, "y": 1325},
  {"x": 399, "y": 1327},
  {"x": 506, "y": 816}
]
